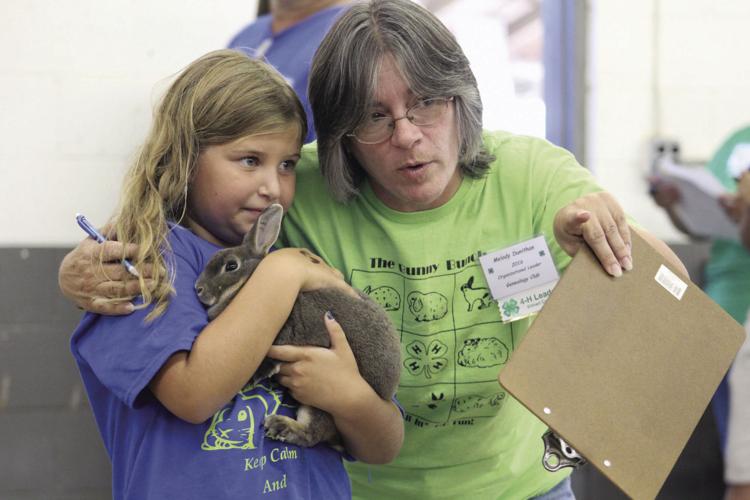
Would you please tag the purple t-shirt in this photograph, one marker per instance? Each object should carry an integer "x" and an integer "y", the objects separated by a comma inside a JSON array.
[
  {"x": 155, "y": 454},
  {"x": 290, "y": 51}
]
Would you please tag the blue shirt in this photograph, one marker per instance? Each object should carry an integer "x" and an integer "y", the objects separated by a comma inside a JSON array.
[
  {"x": 157, "y": 455},
  {"x": 290, "y": 51}
]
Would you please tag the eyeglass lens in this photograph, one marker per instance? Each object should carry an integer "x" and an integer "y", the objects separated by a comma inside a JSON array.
[{"x": 379, "y": 126}]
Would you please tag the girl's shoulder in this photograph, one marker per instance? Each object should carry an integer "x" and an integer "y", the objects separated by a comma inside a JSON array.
[{"x": 185, "y": 245}]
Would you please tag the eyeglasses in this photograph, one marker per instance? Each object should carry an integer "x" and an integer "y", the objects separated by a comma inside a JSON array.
[{"x": 378, "y": 127}]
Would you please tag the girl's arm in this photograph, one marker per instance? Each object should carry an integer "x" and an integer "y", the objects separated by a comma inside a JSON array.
[
  {"x": 195, "y": 384},
  {"x": 328, "y": 378}
]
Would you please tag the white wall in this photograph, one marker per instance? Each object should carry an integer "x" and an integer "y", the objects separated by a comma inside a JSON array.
[
  {"x": 78, "y": 81},
  {"x": 674, "y": 68},
  {"x": 77, "y": 85}
]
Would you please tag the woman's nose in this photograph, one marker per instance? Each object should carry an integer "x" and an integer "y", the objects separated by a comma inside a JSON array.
[{"x": 405, "y": 133}]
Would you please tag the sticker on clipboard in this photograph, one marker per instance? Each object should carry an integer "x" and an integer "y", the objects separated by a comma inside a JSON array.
[{"x": 670, "y": 282}]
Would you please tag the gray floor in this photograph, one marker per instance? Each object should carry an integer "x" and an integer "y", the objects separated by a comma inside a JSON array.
[{"x": 50, "y": 447}]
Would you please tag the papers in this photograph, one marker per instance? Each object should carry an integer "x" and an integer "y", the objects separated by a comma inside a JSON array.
[
  {"x": 699, "y": 208},
  {"x": 739, "y": 160}
]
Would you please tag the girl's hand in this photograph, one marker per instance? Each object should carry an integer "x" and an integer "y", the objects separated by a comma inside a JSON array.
[
  {"x": 314, "y": 273},
  {"x": 324, "y": 378},
  {"x": 599, "y": 221},
  {"x": 104, "y": 288}
]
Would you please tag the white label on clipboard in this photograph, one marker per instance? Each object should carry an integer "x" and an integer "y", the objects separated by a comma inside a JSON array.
[{"x": 670, "y": 282}]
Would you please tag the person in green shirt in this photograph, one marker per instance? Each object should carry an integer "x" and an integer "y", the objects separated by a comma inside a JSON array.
[
  {"x": 727, "y": 271},
  {"x": 737, "y": 456},
  {"x": 402, "y": 193}
]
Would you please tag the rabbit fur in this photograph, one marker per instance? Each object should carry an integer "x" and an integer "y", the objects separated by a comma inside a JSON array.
[{"x": 369, "y": 331}]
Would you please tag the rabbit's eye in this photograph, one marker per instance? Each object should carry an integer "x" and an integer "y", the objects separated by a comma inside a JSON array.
[{"x": 230, "y": 266}]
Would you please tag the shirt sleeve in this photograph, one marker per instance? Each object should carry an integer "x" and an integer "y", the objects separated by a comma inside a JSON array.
[
  {"x": 557, "y": 180},
  {"x": 126, "y": 352}
]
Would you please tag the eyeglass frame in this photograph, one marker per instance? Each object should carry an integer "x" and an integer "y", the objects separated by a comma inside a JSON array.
[{"x": 447, "y": 100}]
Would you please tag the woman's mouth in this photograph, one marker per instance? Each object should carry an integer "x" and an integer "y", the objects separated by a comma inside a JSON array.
[{"x": 414, "y": 171}]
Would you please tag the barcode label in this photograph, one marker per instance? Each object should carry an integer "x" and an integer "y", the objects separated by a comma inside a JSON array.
[{"x": 670, "y": 282}]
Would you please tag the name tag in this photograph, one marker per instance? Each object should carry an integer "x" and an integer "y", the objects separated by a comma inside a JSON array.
[{"x": 520, "y": 277}]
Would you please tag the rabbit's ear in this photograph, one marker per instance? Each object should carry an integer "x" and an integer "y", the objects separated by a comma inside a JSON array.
[{"x": 265, "y": 231}]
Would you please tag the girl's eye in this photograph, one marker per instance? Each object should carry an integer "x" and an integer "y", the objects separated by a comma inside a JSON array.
[
  {"x": 250, "y": 161},
  {"x": 426, "y": 103},
  {"x": 288, "y": 166},
  {"x": 230, "y": 266}
]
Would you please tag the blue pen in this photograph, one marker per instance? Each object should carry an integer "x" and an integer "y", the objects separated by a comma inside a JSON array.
[{"x": 99, "y": 237}]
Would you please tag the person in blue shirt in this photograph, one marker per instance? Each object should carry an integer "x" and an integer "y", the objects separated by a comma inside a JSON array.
[
  {"x": 172, "y": 393},
  {"x": 288, "y": 37}
]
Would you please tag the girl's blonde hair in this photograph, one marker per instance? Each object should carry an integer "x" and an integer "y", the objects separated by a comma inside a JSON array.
[{"x": 221, "y": 97}]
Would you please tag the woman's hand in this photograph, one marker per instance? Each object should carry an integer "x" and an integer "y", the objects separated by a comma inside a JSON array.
[
  {"x": 313, "y": 271},
  {"x": 598, "y": 220},
  {"x": 104, "y": 288},
  {"x": 326, "y": 378}
]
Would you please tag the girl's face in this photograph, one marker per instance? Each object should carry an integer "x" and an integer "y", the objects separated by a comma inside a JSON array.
[{"x": 236, "y": 181}]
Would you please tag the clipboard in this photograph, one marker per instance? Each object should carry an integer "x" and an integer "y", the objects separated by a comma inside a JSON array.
[{"x": 621, "y": 368}]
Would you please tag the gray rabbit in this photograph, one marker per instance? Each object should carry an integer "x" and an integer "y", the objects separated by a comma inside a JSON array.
[{"x": 368, "y": 329}]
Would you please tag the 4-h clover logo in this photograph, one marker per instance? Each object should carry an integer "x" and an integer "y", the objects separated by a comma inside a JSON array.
[
  {"x": 510, "y": 307},
  {"x": 430, "y": 359}
]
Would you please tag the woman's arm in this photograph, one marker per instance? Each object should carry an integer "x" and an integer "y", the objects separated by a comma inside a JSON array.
[
  {"x": 195, "y": 384},
  {"x": 372, "y": 428},
  {"x": 743, "y": 193},
  {"x": 745, "y": 226}
]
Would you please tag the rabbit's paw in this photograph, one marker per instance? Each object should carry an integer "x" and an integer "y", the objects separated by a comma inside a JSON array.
[
  {"x": 285, "y": 429},
  {"x": 267, "y": 369}
]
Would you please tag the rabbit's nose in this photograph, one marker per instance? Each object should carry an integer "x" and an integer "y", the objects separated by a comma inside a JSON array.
[{"x": 198, "y": 289}]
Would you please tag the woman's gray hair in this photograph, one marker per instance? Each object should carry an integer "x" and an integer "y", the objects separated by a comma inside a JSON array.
[{"x": 345, "y": 69}]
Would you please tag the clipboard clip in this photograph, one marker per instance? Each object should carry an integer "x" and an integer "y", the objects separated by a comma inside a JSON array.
[{"x": 558, "y": 454}]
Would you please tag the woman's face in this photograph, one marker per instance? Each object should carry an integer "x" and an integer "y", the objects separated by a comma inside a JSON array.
[{"x": 417, "y": 167}]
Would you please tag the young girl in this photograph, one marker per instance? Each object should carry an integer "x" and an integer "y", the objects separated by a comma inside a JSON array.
[{"x": 169, "y": 391}]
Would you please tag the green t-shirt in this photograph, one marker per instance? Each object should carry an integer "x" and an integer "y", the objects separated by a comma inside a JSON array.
[
  {"x": 465, "y": 436},
  {"x": 728, "y": 267}
]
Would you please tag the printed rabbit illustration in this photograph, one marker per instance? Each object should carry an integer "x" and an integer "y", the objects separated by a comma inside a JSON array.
[
  {"x": 368, "y": 330},
  {"x": 476, "y": 296}
]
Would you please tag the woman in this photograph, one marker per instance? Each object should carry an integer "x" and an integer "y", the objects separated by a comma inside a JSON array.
[{"x": 412, "y": 192}]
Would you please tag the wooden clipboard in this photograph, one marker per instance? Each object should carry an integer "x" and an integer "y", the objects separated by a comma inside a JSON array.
[{"x": 622, "y": 369}]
